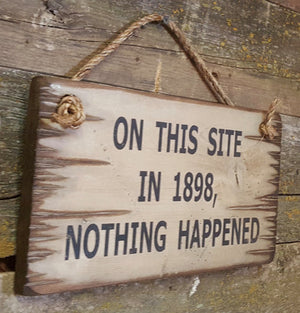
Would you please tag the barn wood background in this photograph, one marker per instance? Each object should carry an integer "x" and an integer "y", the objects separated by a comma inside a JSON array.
[{"x": 251, "y": 46}]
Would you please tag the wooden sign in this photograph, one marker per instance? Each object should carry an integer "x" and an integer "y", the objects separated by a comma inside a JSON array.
[{"x": 148, "y": 186}]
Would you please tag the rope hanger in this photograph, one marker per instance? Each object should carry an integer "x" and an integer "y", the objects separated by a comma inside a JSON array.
[{"x": 70, "y": 111}]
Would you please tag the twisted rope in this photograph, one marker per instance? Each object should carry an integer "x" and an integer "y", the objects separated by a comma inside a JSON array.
[
  {"x": 266, "y": 129},
  {"x": 196, "y": 60},
  {"x": 70, "y": 115},
  {"x": 111, "y": 47},
  {"x": 70, "y": 111}
]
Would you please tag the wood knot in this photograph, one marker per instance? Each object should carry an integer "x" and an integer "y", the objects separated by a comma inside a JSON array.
[
  {"x": 265, "y": 128},
  {"x": 69, "y": 112}
]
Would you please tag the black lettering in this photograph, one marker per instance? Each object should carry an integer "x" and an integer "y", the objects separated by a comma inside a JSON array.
[
  {"x": 245, "y": 229},
  {"x": 172, "y": 137},
  {"x": 225, "y": 231},
  {"x": 120, "y": 144},
  {"x": 229, "y": 133},
  {"x": 145, "y": 235},
  {"x": 107, "y": 228},
  {"x": 220, "y": 151},
  {"x": 138, "y": 134},
  {"x": 254, "y": 222},
  {"x": 91, "y": 254},
  {"x": 161, "y": 126},
  {"x": 162, "y": 238},
  {"x": 237, "y": 143},
  {"x": 155, "y": 184},
  {"x": 133, "y": 249},
  {"x": 183, "y": 149},
  {"x": 183, "y": 233},
  {"x": 216, "y": 230},
  {"x": 212, "y": 141},
  {"x": 206, "y": 231},
  {"x": 75, "y": 243},
  {"x": 236, "y": 230},
  {"x": 195, "y": 235},
  {"x": 193, "y": 140},
  {"x": 142, "y": 197},
  {"x": 121, "y": 237}
]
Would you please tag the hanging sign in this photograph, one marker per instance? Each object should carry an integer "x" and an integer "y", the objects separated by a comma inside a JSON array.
[{"x": 148, "y": 186}]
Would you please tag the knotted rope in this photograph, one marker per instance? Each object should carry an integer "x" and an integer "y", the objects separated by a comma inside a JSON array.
[
  {"x": 70, "y": 111},
  {"x": 266, "y": 129}
]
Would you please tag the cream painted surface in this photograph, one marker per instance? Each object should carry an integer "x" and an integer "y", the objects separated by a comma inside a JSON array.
[{"x": 239, "y": 182}]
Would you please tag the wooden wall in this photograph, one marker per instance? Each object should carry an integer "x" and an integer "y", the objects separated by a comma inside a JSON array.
[{"x": 251, "y": 46}]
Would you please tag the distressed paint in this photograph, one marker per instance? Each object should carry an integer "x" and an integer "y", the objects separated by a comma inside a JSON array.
[
  {"x": 100, "y": 183},
  {"x": 14, "y": 93},
  {"x": 30, "y": 32},
  {"x": 272, "y": 50},
  {"x": 242, "y": 290}
]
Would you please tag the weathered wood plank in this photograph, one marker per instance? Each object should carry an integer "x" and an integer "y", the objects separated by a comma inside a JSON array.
[
  {"x": 258, "y": 40},
  {"x": 8, "y": 223},
  {"x": 102, "y": 184},
  {"x": 177, "y": 75},
  {"x": 241, "y": 50},
  {"x": 288, "y": 219},
  {"x": 13, "y": 107},
  {"x": 290, "y": 4},
  {"x": 207, "y": 24},
  {"x": 273, "y": 287},
  {"x": 14, "y": 91},
  {"x": 290, "y": 156},
  {"x": 13, "y": 103},
  {"x": 15, "y": 83}
]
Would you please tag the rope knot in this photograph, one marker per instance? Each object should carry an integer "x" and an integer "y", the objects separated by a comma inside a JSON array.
[
  {"x": 266, "y": 129},
  {"x": 69, "y": 112}
]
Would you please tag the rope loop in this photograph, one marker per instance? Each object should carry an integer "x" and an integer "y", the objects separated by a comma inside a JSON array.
[
  {"x": 266, "y": 128},
  {"x": 112, "y": 46},
  {"x": 69, "y": 112}
]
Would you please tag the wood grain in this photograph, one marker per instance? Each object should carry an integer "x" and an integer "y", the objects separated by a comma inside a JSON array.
[
  {"x": 290, "y": 156},
  {"x": 15, "y": 88},
  {"x": 290, "y": 4},
  {"x": 273, "y": 287},
  {"x": 288, "y": 219},
  {"x": 14, "y": 94},
  {"x": 287, "y": 225},
  {"x": 252, "y": 47},
  {"x": 243, "y": 52},
  {"x": 15, "y": 91},
  {"x": 9, "y": 210},
  {"x": 65, "y": 187}
]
